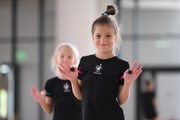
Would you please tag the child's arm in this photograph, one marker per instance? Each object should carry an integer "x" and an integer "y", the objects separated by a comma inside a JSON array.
[
  {"x": 76, "y": 86},
  {"x": 123, "y": 94},
  {"x": 65, "y": 70},
  {"x": 47, "y": 105},
  {"x": 45, "y": 102},
  {"x": 124, "y": 91}
]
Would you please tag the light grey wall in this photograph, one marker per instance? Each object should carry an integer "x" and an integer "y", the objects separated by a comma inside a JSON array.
[{"x": 73, "y": 23}]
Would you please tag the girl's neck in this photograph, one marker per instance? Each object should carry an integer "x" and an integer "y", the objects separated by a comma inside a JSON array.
[
  {"x": 60, "y": 76},
  {"x": 104, "y": 55}
]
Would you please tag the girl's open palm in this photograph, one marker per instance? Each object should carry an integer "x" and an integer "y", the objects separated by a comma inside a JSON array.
[
  {"x": 37, "y": 95},
  {"x": 64, "y": 69},
  {"x": 136, "y": 71}
]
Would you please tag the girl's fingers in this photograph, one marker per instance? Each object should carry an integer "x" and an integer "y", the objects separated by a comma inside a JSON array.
[
  {"x": 139, "y": 71},
  {"x": 36, "y": 89},
  {"x": 33, "y": 94},
  {"x": 33, "y": 91},
  {"x": 133, "y": 66},
  {"x": 136, "y": 67},
  {"x": 67, "y": 64},
  {"x": 62, "y": 66},
  {"x": 61, "y": 71}
]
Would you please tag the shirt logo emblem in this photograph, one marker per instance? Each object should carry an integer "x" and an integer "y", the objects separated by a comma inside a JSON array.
[
  {"x": 98, "y": 69},
  {"x": 66, "y": 87}
]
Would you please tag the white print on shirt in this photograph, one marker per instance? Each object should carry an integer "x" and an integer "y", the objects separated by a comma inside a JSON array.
[
  {"x": 98, "y": 69},
  {"x": 66, "y": 87}
]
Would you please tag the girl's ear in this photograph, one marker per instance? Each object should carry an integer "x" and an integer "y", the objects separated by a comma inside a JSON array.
[{"x": 92, "y": 37}]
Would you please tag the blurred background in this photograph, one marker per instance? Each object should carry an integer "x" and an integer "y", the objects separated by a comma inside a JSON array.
[{"x": 30, "y": 30}]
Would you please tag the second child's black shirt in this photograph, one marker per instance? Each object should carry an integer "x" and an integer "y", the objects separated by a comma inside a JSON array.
[{"x": 66, "y": 106}]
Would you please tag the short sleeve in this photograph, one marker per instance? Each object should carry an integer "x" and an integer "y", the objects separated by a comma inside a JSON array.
[
  {"x": 121, "y": 78},
  {"x": 48, "y": 88}
]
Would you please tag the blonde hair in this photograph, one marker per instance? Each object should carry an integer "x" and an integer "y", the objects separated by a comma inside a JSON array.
[{"x": 56, "y": 51}]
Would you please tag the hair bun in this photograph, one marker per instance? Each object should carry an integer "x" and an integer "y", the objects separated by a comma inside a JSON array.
[{"x": 111, "y": 10}]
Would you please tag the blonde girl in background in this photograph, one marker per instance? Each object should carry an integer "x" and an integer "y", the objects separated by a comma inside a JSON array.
[{"x": 57, "y": 96}]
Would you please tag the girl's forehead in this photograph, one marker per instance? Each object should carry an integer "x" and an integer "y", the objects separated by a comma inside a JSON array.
[
  {"x": 103, "y": 28},
  {"x": 65, "y": 49}
]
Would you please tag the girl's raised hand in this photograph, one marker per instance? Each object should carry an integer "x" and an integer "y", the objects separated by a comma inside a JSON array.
[
  {"x": 66, "y": 70},
  {"x": 37, "y": 95},
  {"x": 136, "y": 69}
]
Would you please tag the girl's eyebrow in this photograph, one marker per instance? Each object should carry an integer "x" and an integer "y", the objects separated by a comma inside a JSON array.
[{"x": 105, "y": 33}]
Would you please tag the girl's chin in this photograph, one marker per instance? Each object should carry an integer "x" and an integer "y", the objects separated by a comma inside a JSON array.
[{"x": 61, "y": 76}]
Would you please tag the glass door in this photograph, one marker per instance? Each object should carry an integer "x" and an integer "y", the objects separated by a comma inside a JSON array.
[{"x": 6, "y": 92}]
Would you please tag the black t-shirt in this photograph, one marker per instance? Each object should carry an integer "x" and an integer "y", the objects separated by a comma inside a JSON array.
[
  {"x": 100, "y": 85},
  {"x": 66, "y": 106}
]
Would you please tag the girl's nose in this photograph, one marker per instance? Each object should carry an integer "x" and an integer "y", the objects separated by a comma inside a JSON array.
[
  {"x": 102, "y": 38},
  {"x": 65, "y": 59}
]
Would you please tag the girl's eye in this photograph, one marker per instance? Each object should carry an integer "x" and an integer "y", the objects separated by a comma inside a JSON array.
[
  {"x": 69, "y": 56},
  {"x": 108, "y": 35},
  {"x": 62, "y": 56},
  {"x": 98, "y": 36}
]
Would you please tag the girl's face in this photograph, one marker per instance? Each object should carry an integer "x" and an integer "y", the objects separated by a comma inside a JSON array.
[
  {"x": 104, "y": 38},
  {"x": 66, "y": 54}
]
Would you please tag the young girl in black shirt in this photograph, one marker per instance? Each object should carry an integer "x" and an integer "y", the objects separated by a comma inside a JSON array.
[
  {"x": 57, "y": 96},
  {"x": 103, "y": 81}
]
